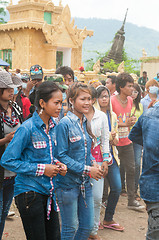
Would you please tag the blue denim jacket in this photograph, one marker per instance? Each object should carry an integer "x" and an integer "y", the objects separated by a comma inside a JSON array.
[
  {"x": 24, "y": 153},
  {"x": 70, "y": 150},
  {"x": 146, "y": 132}
]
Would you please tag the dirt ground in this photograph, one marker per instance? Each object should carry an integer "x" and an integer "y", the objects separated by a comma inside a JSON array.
[{"x": 135, "y": 224}]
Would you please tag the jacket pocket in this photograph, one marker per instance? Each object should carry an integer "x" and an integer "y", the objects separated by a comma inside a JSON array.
[
  {"x": 75, "y": 139},
  {"x": 39, "y": 144},
  {"x": 29, "y": 198},
  {"x": 39, "y": 149}
]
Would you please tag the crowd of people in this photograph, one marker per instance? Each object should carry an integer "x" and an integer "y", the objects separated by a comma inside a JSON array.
[{"x": 72, "y": 147}]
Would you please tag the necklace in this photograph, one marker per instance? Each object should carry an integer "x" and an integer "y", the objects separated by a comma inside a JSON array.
[{"x": 123, "y": 102}]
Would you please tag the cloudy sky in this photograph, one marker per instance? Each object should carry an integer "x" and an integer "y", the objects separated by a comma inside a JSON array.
[{"x": 141, "y": 12}]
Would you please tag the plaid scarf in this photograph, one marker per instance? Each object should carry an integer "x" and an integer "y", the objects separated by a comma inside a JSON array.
[{"x": 11, "y": 122}]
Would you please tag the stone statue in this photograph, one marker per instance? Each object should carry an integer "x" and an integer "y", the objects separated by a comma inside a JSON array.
[
  {"x": 60, "y": 3},
  {"x": 144, "y": 53},
  {"x": 96, "y": 67},
  {"x": 121, "y": 67}
]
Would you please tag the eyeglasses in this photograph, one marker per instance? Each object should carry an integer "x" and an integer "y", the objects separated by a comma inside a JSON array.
[
  {"x": 136, "y": 92},
  {"x": 105, "y": 96}
]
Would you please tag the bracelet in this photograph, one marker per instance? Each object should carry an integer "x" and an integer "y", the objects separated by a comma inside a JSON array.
[
  {"x": 105, "y": 160},
  {"x": 89, "y": 174}
]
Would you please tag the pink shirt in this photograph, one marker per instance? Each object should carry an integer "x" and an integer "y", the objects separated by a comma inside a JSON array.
[{"x": 122, "y": 114}]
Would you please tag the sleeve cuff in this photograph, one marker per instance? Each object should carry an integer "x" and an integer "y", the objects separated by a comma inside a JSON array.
[
  {"x": 106, "y": 157},
  {"x": 87, "y": 171},
  {"x": 40, "y": 170}
]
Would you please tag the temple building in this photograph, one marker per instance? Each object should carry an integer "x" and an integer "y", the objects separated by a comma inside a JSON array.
[{"x": 39, "y": 32}]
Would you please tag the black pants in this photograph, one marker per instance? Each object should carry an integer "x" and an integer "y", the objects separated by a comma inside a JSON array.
[{"x": 32, "y": 207}]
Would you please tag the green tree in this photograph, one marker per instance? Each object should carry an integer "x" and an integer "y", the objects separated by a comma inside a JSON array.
[
  {"x": 90, "y": 62},
  {"x": 130, "y": 65},
  {"x": 2, "y": 11}
]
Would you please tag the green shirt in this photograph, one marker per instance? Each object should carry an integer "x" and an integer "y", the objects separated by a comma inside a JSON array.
[{"x": 142, "y": 81}]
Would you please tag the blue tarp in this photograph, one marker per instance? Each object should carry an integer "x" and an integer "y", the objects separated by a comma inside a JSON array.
[{"x": 3, "y": 63}]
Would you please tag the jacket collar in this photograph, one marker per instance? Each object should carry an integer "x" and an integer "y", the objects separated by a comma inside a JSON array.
[
  {"x": 74, "y": 118},
  {"x": 39, "y": 122}
]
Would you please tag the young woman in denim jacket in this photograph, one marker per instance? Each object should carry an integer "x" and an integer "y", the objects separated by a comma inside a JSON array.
[
  {"x": 31, "y": 155},
  {"x": 113, "y": 176},
  {"x": 74, "y": 191}
]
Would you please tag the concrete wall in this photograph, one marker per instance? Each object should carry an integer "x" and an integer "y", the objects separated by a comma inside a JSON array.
[{"x": 151, "y": 67}]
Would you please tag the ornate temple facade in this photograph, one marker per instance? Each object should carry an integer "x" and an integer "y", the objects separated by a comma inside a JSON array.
[{"x": 39, "y": 32}]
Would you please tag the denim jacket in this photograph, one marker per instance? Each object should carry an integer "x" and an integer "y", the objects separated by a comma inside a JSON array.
[
  {"x": 28, "y": 148},
  {"x": 146, "y": 132},
  {"x": 70, "y": 150}
]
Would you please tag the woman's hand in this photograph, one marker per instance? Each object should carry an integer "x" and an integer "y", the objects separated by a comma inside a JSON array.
[
  {"x": 62, "y": 168},
  {"x": 114, "y": 142},
  {"x": 96, "y": 172},
  {"x": 104, "y": 167},
  {"x": 113, "y": 135},
  {"x": 95, "y": 164},
  {"x": 51, "y": 170}
]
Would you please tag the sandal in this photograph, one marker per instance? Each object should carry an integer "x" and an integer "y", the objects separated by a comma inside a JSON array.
[
  {"x": 100, "y": 226},
  {"x": 114, "y": 226}
]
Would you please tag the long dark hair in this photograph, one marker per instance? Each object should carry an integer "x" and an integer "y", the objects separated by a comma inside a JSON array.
[
  {"x": 138, "y": 99},
  {"x": 73, "y": 93},
  {"x": 45, "y": 92},
  {"x": 19, "y": 98}
]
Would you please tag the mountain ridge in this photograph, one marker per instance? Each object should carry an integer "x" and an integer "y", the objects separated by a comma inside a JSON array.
[{"x": 136, "y": 37}]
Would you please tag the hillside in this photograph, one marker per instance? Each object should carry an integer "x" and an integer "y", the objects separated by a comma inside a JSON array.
[{"x": 136, "y": 38}]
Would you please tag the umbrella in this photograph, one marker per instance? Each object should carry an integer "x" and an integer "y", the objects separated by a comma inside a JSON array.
[{"x": 3, "y": 63}]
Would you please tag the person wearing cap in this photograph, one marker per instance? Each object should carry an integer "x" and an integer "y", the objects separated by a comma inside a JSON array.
[
  {"x": 10, "y": 119},
  {"x": 21, "y": 99},
  {"x": 25, "y": 79},
  {"x": 36, "y": 75}
]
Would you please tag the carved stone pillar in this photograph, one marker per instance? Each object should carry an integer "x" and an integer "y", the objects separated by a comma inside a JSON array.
[
  {"x": 50, "y": 62},
  {"x": 76, "y": 58}
]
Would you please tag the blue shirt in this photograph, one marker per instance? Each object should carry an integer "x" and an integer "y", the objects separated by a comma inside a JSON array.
[
  {"x": 146, "y": 132},
  {"x": 146, "y": 101},
  {"x": 70, "y": 150},
  {"x": 28, "y": 148}
]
